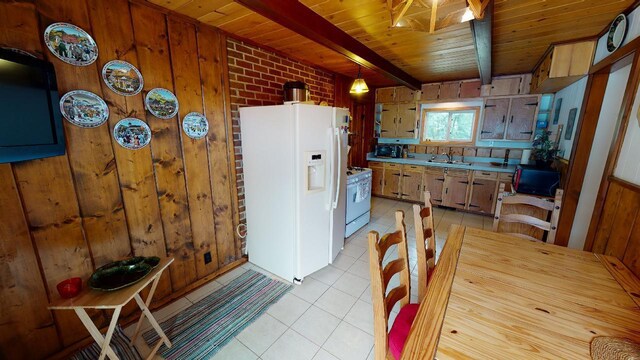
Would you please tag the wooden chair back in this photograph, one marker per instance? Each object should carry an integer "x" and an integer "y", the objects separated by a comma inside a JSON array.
[
  {"x": 383, "y": 300},
  {"x": 540, "y": 215},
  {"x": 425, "y": 243}
]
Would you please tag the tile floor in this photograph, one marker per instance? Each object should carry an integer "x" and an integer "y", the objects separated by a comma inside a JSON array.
[{"x": 329, "y": 316}]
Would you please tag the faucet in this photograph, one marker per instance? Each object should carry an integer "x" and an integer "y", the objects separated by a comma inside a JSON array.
[{"x": 448, "y": 156}]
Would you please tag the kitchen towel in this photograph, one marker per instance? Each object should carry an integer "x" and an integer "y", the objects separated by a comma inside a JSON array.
[{"x": 362, "y": 191}]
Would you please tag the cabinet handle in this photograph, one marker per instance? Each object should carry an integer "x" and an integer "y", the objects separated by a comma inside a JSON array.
[
  {"x": 488, "y": 106},
  {"x": 526, "y": 132},
  {"x": 446, "y": 191},
  {"x": 491, "y": 197},
  {"x": 532, "y": 104},
  {"x": 399, "y": 120},
  {"x": 406, "y": 175},
  {"x": 394, "y": 120},
  {"x": 504, "y": 118},
  {"x": 474, "y": 206},
  {"x": 414, "y": 109},
  {"x": 464, "y": 182},
  {"x": 411, "y": 131},
  {"x": 440, "y": 180},
  {"x": 461, "y": 204},
  {"x": 395, "y": 193},
  {"x": 511, "y": 121},
  {"x": 477, "y": 183},
  {"x": 418, "y": 187},
  {"x": 398, "y": 174},
  {"x": 483, "y": 131}
]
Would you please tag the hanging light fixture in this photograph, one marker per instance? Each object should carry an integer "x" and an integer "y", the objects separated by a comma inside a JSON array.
[{"x": 359, "y": 86}]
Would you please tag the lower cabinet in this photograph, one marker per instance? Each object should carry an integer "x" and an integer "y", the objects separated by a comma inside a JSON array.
[
  {"x": 455, "y": 190},
  {"x": 411, "y": 188},
  {"x": 482, "y": 195},
  {"x": 392, "y": 176},
  {"x": 434, "y": 182},
  {"x": 377, "y": 178},
  {"x": 460, "y": 189}
]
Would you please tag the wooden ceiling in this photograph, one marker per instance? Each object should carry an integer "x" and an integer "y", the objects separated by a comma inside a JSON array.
[{"x": 522, "y": 31}]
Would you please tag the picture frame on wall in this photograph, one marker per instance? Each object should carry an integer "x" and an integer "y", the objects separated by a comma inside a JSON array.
[
  {"x": 556, "y": 112},
  {"x": 570, "y": 123}
]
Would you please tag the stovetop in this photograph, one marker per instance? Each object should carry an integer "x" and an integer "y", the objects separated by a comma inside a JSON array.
[{"x": 354, "y": 171}]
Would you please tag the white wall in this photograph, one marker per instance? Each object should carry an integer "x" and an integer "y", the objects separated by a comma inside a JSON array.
[
  {"x": 633, "y": 31},
  {"x": 572, "y": 97},
  {"x": 607, "y": 123},
  {"x": 628, "y": 165}
]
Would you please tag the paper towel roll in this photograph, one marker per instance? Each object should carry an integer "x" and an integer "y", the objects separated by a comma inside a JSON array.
[{"x": 526, "y": 155}]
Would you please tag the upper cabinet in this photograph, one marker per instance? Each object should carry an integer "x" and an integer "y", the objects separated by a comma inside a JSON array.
[
  {"x": 561, "y": 66},
  {"x": 472, "y": 89},
  {"x": 509, "y": 118},
  {"x": 396, "y": 112}
]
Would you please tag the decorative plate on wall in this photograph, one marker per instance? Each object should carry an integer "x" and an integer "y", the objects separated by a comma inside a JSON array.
[
  {"x": 132, "y": 133},
  {"x": 195, "y": 125},
  {"x": 617, "y": 31},
  {"x": 84, "y": 109},
  {"x": 122, "y": 77},
  {"x": 71, "y": 44},
  {"x": 161, "y": 103}
]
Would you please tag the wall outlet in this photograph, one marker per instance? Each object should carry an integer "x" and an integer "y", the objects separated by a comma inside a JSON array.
[{"x": 207, "y": 257}]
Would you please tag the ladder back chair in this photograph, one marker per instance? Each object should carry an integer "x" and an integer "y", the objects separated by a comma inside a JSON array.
[
  {"x": 528, "y": 205},
  {"x": 388, "y": 344},
  {"x": 425, "y": 243}
]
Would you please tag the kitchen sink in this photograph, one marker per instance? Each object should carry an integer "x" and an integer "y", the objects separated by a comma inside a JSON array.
[{"x": 455, "y": 162}]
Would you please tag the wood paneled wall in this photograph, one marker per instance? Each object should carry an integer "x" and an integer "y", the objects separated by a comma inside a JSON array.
[
  {"x": 618, "y": 231},
  {"x": 65, "y": 216}
]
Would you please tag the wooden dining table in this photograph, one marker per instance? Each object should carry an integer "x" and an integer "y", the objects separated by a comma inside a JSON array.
[{"x": 496, "y": 296}]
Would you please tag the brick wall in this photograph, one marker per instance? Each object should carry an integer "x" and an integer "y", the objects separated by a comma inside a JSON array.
[{"x": 256, "y": 77}]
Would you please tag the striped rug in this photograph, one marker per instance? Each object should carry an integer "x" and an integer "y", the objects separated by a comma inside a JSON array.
[
  {"x": 119, "y": 343},
  {"x": 202, "y": 329}
]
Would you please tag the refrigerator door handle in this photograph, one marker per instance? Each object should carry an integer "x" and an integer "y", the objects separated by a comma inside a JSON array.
[
  {"x": 332, "y": 170},
  {"x": 338, "y": 169}
]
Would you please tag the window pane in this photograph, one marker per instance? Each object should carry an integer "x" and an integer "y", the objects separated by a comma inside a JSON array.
[
  {"x": 436, "y": 126},
  {"x": 461, "y": 126}
]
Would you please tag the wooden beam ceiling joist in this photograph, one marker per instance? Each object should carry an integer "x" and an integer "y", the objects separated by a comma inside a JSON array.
[
  {"x": 481, "y": 30},
  {"x": 295, "y": 16}
]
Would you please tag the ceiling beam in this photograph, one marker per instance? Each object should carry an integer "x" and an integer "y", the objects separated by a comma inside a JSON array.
[
  {"x": 295, "y": 16},
  {"x": 481, "y": 30}
]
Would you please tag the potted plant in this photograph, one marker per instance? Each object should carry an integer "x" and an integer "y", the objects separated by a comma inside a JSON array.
[{"x": 544, "y": 150}]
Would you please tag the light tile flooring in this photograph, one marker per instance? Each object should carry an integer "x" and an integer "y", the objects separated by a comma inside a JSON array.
[{"x": 329, "y": 316}]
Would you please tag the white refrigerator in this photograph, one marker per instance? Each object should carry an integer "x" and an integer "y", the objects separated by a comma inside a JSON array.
[{"x": 294, "y": 163}]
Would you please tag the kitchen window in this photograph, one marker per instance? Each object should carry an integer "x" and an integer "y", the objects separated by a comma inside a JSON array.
[{"x": 449, "y": 125}]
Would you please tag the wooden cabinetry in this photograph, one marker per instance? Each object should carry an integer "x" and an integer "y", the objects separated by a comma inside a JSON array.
[
  {"x": 505, "y": 86},
  {"x": 562, "y": 65},
  {"x": 392, "y": 176},
  {"x": 454, "y": 194},
  {"x": 470, "y": 89},
  {"x": 377, "y": 178},
  {"x": 430, "y": 91},
  {"x": 450, "y": 90},
  {"x": 509, "y": 118},
  {"x": 411, "y": 188},
  {"x": 483, "y": 195},
  {"x": 522, "y": 117},
  {"x": 433, "y": 180},
  {"x": 397, "y": 112}
]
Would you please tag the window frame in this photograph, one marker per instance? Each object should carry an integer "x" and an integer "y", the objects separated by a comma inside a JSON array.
[{"x": 423, "y": 125}]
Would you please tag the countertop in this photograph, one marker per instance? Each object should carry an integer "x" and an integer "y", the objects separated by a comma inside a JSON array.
[{"x": 423, "y": 161}]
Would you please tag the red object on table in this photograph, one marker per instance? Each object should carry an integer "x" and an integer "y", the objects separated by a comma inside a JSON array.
[{"x": 70, "y": 287}]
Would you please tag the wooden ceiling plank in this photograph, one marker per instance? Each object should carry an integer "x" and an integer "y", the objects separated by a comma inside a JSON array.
[
  {"x": 299, "y": 18},
  {"x": 481, "y": 30},
  {"x": 396, "y": 16}
]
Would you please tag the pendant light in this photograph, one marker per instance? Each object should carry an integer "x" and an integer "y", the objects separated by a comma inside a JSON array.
[{"x": 359, "y": 86}]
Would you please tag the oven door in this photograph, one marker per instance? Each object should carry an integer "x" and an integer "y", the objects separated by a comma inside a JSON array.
[{"x": 357, "y": 206}]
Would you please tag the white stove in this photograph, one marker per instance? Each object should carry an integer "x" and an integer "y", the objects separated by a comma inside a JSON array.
[{"x": 358, "y": 199}]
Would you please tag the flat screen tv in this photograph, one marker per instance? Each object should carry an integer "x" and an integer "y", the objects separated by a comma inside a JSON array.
[{"x": 30, "y": 118}]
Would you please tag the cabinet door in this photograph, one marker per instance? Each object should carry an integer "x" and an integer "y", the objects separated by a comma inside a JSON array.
[
  {"x": 385, "y": 95},
  {"x": 482, "y": 195},
  {"x": 430, "y": 91},
  {"x": 388, "y": 120},
  {"x": 455, "y": 191},
  {"x": 495, "y": 117},
  {"x": 406, "y": 120},
  {"x": 470, "y": 89},
  {"x": 411, "y": 185},
  {"x": 392, "y": 182},
  {"x": 434, "y": 182},
  {"x": 522, "y": 118},
  {"x": 450, "y": 90},
  {"x": 505, "y": 86},
  {"x": 377, "y": 180},
  {"x": 404, "y": 94}
]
